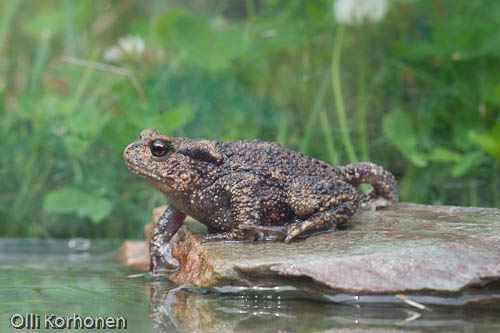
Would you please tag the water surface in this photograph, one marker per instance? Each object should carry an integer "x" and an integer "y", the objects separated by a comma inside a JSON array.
[{"x": 80, "y": 276}]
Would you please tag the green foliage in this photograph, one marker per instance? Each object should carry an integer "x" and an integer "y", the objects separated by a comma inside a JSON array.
[
  {"x": 488, "y": 142},
  {"x": 72, "y": 200},
  {"x": 398, "y": 129},
  {"x": 207, "y": 45},
  {"x": 421, "y": 94}
]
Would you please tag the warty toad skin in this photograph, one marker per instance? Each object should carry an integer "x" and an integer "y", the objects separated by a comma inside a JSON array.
[{"x": 249, "y": 190}]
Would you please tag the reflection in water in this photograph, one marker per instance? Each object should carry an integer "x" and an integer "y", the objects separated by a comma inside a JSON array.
[
  {"x": 191, "y": 310},
  {"x": 39, "y": 276},
  {"x": 79, "y": 244}
]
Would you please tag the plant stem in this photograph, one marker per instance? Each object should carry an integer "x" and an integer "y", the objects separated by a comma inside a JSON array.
[
  {"x": 40, "y": 61},
  {"x": 250, "y": 9},
  {"x": 473, "y": 195},
  {"x": 362, "y": 103},
  {"x": 16, "y": 210},
  {"x": 82, "y": 85},
  {"x": 406, "y": 185},
  {"x": 69, "y": 31},
  {"x": 282, "y": 126},
  {"x": 495, "y": 186},
  {"x": 313, "y": 115},
  {"x": 329, "y": 141},
  {"x": 337, "y": 94},
  {"x": 8, "y": 14}
]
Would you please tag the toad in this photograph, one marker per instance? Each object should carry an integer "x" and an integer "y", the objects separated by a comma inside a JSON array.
[{"x": 249, "y": 190}]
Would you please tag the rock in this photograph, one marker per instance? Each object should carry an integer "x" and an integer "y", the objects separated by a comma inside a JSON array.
[
  {"x": 409, "y": 248},
  {"x": 134, "y": 254}
]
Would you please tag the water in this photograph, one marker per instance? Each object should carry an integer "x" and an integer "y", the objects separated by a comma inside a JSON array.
[{"x": 64, "y": 277}]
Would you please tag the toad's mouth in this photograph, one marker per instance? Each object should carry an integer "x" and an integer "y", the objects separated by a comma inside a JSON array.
[
  {"x": 144, "y": 173},
  {"x": 155, "y": 180}
]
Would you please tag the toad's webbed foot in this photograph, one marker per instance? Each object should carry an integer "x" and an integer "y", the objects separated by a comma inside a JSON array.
[
  {"x": 263, "y": 232},
  {"x": 217, "y": 237},
  {"x": 371, "y": 201},
  {"x": 249, "y": 233},
  {"x": 162, "y": 259}
]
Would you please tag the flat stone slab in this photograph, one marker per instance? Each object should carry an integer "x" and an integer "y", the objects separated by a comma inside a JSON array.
[{"x": 406, "y": 249}]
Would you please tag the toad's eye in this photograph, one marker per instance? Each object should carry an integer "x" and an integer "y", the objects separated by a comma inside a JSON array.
[{"x": 158, "y": 147}]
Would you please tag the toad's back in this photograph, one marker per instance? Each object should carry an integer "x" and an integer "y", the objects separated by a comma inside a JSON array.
[{"x": 272, "y": 159}]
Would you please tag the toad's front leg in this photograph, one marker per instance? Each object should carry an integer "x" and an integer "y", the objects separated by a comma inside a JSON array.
[
  {"x": 320, "y": 204},
  {"x": 160, "y": 248}
]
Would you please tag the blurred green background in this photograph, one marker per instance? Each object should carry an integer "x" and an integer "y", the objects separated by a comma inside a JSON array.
[{"x": 417, "y": 92}]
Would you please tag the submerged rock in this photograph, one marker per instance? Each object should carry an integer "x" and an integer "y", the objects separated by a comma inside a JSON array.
[{"x": 409, "y": 248}]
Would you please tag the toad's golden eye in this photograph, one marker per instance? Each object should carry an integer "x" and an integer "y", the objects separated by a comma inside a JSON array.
[{"x": 158, "y": 147}]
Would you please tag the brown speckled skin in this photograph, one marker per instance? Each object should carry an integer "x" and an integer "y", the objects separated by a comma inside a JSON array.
[{"x": 250, "y": 190}]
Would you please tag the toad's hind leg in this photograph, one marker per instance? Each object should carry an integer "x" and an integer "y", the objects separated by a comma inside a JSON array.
[
  {"x": 320, "y": 204},
  {"x": 384, "y": 191}
]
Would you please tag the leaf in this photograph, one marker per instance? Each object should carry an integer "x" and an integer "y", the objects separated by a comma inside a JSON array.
[
  {"x": 165, "y": 25},
  {"x": 207, "y": 46},
  {"x": 171, "y": 119},
  {"x": 73, "y": 201},
  {"x": 176, "y": 118},
  {"x": 76, "y": 144},
  {"x": 140, "y": 27},
  {"x": 147, "y": 117},
  {"x": 398, "y": 129},
  {"x": 462, "y": 162},
  {"x": 84, "y": 126},
  {"x": 466, "y": 163},
  {"x": 491, "y": 91},
  {"x": 441, "y": 154},
  {"x": 316, "y": 10},
  {"x": 118, "y": 132},
  {"x": 488, "y": 142},
  {"x": 86, "y": 120}
]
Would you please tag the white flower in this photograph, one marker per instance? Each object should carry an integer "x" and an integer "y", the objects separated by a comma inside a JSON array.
[
  {"x": 359, "y": 11},
  {"x": 128, "y": 46},
  {"x": 132, "y": 45},
  {"x": 113, "y": 54}
]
